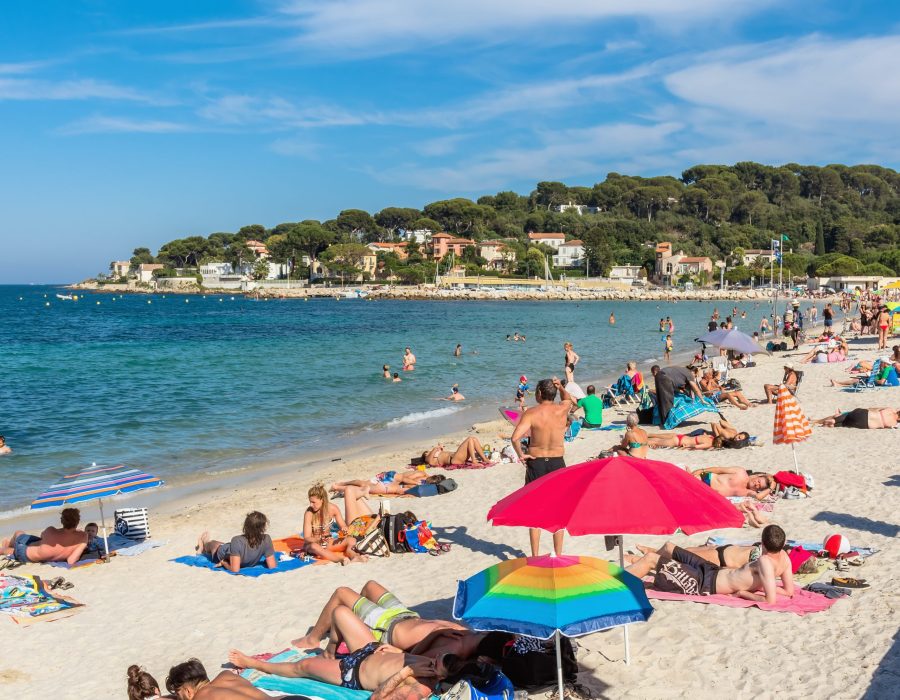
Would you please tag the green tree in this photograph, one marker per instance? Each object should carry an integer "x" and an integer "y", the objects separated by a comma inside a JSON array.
[
  {"x": 252, "y": 232},
  {"x": 392, "y": 219},
  {"x": 141, "y": 256},
  {"x": 260, "y": 270},
  {"x": 458, "y": 215},
  {"x": 345, "y": 259},
  {"x": 426, "y": 224},
  {"x": 820, "y": 238},
  {"x": 359, "y": 225}
]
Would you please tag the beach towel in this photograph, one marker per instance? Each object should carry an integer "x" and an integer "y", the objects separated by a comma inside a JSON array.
[
  {"x": 468, "y": 465},
  {"x": 299, "y": 686},
  {"x": 285, "y": 561},
  {"x": 122, "y": 546},
  {"x": 24, "y": 599},
  {"x": 803, "y": 602},
  {"x": 684, "y": 409},
  {"x": 612, "y": 426},
  {"x": 863, "y": 552}
]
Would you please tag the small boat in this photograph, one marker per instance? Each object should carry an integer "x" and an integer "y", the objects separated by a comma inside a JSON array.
[{"x": 65, "y": 297}]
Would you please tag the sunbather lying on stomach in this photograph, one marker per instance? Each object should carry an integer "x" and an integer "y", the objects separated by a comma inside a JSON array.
[
  {"x": 730, "y": 556},
  {"x": 864, "y": 418},
  {"x": 382, "y": 668},
  {"x": 680, "y": 571},
  {"x": 389, "y": 620},
  {"x": 189, "y": 681},
  {"x": 735, "y": 481}
]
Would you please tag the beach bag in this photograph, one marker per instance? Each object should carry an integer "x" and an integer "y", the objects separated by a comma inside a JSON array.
[
  {"x": 446, "y": 486},
  {"x": 531, "y": 663},
  {"x": 499, "y": 687},
  {"x": 361, "y": 526},
  {"x": 373, "y": 544},
  {"x": 732, "y": 385},
  {"x": 132, "y": 523},
  {"x": 420, "y": 538},
  {"x": 393, "y": 527}
]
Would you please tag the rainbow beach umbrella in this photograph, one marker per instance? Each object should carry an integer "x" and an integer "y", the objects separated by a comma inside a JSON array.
[
  {"x": 550, "y": 596},
  {"x": 96, "y": 482}
]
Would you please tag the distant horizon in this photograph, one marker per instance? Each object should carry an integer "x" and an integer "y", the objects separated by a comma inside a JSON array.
[{"x": 132, "y": 125}]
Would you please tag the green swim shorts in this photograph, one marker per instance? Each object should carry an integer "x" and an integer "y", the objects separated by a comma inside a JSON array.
[{"x": 381, "y": 617}]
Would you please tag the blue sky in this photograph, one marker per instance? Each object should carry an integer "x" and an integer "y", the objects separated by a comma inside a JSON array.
[{"x": 127, "y": 124}]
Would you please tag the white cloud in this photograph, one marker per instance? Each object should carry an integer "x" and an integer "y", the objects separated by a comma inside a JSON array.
[
  {"x": 811, "y": 82},
  {"x": 20, "y": 68},
  {"x": 297, "y": 147},
  {"x": 562, "y": 155},
  {"x": 276, "y": 113},
  {"x": 393, "y": 26},
  {"x": 121, "y": 125},
  {"x": 88, "y": 89},
  {"x": 440, "y": 146}
]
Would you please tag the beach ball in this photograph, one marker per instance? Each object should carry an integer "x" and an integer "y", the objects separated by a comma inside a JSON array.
[{"x": 835, "y": 545}]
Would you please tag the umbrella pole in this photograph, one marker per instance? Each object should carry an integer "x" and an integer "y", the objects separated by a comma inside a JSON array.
[
  {"x": 794, "y": 453},
  {"x": 624, "y": 627},
  {"x": 559, "y": 672},
  {"x": 103, "y": 524}
]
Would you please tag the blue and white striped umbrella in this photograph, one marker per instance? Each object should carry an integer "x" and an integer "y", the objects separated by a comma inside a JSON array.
[{"x": 95, "y": 482}]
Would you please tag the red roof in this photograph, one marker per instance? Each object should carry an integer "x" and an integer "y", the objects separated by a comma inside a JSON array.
[
  {"x": 534, "y": 236},
  {"x": 575, "y": 242},
  {"x": 690, "y": 260}
]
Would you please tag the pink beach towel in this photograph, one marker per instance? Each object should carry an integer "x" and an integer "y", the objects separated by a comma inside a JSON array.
[{"x": 802, "y": 603}]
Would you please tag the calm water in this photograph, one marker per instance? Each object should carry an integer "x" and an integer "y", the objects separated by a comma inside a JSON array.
[{"x": 192, "y": 385}]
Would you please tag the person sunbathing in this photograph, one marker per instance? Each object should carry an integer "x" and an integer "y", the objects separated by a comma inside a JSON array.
[
  {"x": 389, "y": 483},
  {"x": 711, "y": 388},
  {"x": 141, "y": 685},
  {"x": 730, "y": 556},
  {"x": 635, "y": 441},
  {"x": 244, "y": 550},
  {"x": 863, "y": 418},
  {"x": 680, "y": 571},
  {"x": 699, "y": 440},
  {"x": 390, "y": 621},
  {"x": 836, "y": 351},
  {"x": 790, "y": 379},
  {"x": 190, "y": 681},
  {"x": 736, "y": 481},
  {"x": 383, "y": 669},
  {"x": 886, "y": 375},
  {"x": 469, "y": 451},
  {"x": 54, "y": 544},
  {"x": 319, "y": 520}
]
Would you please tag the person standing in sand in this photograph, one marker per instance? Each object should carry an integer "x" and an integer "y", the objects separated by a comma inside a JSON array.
[
  {"x": 570, "y": 361},
  {"x": 546, "y": 450},
  {"x": 409, "y": 360}
]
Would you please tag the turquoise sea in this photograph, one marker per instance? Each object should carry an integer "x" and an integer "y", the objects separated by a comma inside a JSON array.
[{"x": 191, "y": 386}]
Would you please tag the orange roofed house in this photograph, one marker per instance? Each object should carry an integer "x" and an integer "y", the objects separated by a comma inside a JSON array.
[
  {"x": 443, "y": 243},
  {"x": 670, "y": 266}
]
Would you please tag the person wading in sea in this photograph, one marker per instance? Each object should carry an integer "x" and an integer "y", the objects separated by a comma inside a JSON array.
[{"x": 546, "y": 449}]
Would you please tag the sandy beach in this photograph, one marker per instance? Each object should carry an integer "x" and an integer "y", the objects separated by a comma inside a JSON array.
[{"x": 149, "y": 611}]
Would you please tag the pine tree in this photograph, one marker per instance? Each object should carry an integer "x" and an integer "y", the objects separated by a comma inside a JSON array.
[{"x": 820, "y": 239}]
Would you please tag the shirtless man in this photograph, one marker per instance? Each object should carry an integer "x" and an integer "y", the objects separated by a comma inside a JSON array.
[
  {"x": 409, "y": 360},
  {"x": 864, "y": 418},
  {"x": 55, "y": 544},
  {"x": 680, "y": 571},
  {"x": 546, "y": 449},
  {"x": 4, "y": 448},
  {"x": 731, "y": 556},
  {"x": 735, "y": 481},
  {"x": 390, "y": 621},
  {"x": 189, "y": 681},
  {"x": 455, "y": 394}
]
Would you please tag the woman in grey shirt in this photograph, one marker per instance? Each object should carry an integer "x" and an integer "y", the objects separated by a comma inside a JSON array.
[{"x": 243, "y": 550}]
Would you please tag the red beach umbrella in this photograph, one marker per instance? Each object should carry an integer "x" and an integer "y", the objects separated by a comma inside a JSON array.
[{"x": 617, "y": 496}]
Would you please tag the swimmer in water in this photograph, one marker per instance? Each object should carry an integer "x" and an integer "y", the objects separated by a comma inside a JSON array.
[
  {"x": 386, "y": 371},
  {"x": 612, "y": 319},
  {"x": 396, "y": 377},
  {"x": 409, "y": 360},
  {"x": 4, "y": 448},
  {"x": 458, "y": 351},
  {"x": 455, "y": 395}
]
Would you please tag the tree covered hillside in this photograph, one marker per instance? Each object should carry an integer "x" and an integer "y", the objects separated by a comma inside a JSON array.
[{"x": 838, "y": 219}]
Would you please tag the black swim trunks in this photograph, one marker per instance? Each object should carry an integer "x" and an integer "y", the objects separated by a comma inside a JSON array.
[
  {"x": 685, "y": 573},
  {"x": 350, "y": 664},
  {"x": 857, "y": 418},
  {"x": 536, "y": 467}
]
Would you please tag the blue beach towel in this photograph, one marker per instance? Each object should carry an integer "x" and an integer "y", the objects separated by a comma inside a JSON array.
[
  {"x": 260, "y": 569},
  {"x": 611, "y": 426},
  {"x": 684, "y": 409},
  {"x": 300, "y": 686}
]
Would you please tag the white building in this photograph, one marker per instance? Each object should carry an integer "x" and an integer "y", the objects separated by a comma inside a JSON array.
[
  {"x": 579, "y": 208},
  {"x": 625, "y": 273},
  {"x": 120, "y": 268},
  {"x": 215, "y": 269},
  {"x": 554, "y": 240},
  {"x": 751, "y": 255},
  {"x": 497, "y": 253},
  {"x": 421, "y": 235},
  {"x": 569, "y": 254},
  {"x": 145, "y": 271}
]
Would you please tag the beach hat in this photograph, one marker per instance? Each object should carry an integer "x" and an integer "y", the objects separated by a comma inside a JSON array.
[
  {"x": 523, "y": 379},
  {"x": 835, "y": 545},
  {"x": 789, "y": 365}
]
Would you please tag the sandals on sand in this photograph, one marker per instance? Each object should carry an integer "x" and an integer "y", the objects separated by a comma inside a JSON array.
[
  {"x": 574, "y": 691},
  {"x": 849, "y": 582},
  {"x": 59, "y": 583},
  {"x": 10, "y": 563}
]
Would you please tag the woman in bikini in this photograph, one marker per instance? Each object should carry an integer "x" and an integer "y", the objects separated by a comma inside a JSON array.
[
  {"x": 863, "y": 418},
  {"x": 469, "y": 451},
  {"x": 380, "y": 668},
  {"x": 884, "y": 323},
  {"x": 389, "y": 483},
  {"x": 635, "y": 441},
  {"x": 318, "y": 520},
  {"x": 703, "y": 441},
  {"x": 570, "y": 361}
]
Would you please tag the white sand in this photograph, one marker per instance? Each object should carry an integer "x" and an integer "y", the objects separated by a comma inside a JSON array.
[{"x": 149, "y": 611}]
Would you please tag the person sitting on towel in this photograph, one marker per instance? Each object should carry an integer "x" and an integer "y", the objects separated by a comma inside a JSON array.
[
  {"x": 680, "y": 571},
  {"x": 243, "y": 550}
]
